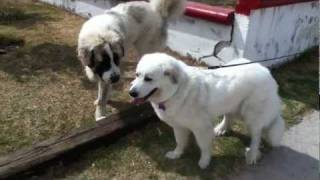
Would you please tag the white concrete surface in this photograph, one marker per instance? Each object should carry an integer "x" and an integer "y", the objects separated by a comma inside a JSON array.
[
  {"x": 296, "y": 159},
  {"x": 84, "y": 8}
]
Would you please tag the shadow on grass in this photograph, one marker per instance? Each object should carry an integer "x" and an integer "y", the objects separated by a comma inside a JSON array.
[
  {"x": 76, "y": 162},
  {"x": 119, "y": 105},
  {"x": 76, "y": 159},
  {"x": 228, "y": 154},
  {"x": 104, "y": 155},
  {"x": 298, "y": 80},
  {"x": 40, "y": 60},
  {"x": 9, "y": 40},
  {"x": 187, "y": 164},
  {"x": 14, "y": 14}
]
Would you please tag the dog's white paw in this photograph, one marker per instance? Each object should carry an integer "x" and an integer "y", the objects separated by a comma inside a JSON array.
[
  {"x": 100, "y": 118},
  {"x": 96, "y": 102},
  {"x": 100, "y": 112},
  {"x": 220, "y": 130},
  {"x": 173, "y": 155},
  {"x": 252, "y": 157},
  {"x": 204, "y": 163}
]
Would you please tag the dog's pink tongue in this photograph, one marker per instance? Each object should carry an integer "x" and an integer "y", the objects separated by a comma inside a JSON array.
[{"x": 138, "y": 101}]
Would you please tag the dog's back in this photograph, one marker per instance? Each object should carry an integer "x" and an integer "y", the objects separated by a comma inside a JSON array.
[
  {"x": 226, "y": 89},
  {"x": 247, "y": 91},
  {"x": 146, "y": 23}
]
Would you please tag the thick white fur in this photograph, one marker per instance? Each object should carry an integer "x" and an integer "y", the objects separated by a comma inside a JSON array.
[
  {"x": 140, "y": 25},
  {"x": 168, "y": 8},
  {"x": 248, "y": 92}
]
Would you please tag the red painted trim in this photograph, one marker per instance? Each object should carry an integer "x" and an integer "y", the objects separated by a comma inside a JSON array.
[
  {"x": 270, "y": 3},
  {"x": 245, "y": 6},
  {"x": 210, "y": 13}
]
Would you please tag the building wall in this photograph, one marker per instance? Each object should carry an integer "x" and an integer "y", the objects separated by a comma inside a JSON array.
[
  {"x": 281, "y": 30},
  {"x": 197, "y": 38}
]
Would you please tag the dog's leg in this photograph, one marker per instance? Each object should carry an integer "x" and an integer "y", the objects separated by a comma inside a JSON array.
[
  {"x": 253, "y": 153},
  {"x": 204, "y": 137},
  {"x": 181, "y": 135},
  {"x": 224, "y": 126},
  {"x": 104, "y": 90}
]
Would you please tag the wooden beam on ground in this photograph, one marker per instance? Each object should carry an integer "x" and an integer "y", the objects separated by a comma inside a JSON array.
[{"x": 47, "y": 150}]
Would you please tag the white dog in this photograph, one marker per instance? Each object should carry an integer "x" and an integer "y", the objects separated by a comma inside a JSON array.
[
  {"x": 188, "y": 98},
  {"x": 105, "y": 39}
]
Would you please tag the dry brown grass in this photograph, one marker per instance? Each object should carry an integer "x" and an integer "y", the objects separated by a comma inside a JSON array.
[
  {"x": 43, "y": 92},
  {"x": 43, "y": 89}
]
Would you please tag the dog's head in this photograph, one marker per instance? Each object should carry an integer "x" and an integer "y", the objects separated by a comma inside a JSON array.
[
  {"x": 157, "y": 78},
  {"x": 102, "y": 60}
]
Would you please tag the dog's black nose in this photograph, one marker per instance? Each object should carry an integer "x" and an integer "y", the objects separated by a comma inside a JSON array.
[
  {"x": 114, "y": 78},
  {"x": 133, "y": 93}
]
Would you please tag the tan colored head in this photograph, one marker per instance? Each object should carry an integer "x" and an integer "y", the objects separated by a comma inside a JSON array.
[{"x": 102, "y": 60}]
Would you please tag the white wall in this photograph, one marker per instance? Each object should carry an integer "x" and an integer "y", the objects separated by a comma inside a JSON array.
[
  {"x": 197, "y": 38},
  {"x": 278, "y": 31}
]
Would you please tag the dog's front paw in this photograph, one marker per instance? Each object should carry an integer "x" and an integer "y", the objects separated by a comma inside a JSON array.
[
  {"x": 252, "y": 156},
  {"x": 204, "y": 162},
  {"x": 96, "y": 102},
  {"x": 173, "y": 155},
  {"x": 100, "y": 118},
  {"x": 100, "y": 113},
  {"x": 220, "y": 130}
]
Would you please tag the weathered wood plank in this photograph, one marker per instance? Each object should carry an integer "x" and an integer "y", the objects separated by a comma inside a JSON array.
[{"x": 39, "y": 153}]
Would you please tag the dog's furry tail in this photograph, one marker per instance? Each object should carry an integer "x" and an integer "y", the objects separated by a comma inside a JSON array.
[
  {"x": 276, "y": 131},
  {"x": 168, "y": 9}
]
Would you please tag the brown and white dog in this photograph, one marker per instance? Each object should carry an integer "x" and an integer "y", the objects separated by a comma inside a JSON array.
[{"x": 105, "y": 39}]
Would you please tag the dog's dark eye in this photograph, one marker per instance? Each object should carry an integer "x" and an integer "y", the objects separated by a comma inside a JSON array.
[
  {"x": 137, "y": 74},
  {"x": 147, "y": 79}
]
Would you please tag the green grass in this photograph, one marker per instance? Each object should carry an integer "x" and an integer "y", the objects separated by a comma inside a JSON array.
[
  {"x": 298, "y": 86},
  {"x": 9, "y": 13},
  {"x": 226, "y": 3},
  {"x": 43, "y": 93},
  {"x": 43, "y": 90}
]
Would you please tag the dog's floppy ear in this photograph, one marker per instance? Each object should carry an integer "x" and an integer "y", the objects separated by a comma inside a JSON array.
[
  {"x": 86, "y": 57},
  {"x": 118, "y": 48},
  {"x": 172, "y": 72}
]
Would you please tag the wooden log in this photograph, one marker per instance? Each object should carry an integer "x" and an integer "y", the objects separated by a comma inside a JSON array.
[{"x": 47, "y": 150}]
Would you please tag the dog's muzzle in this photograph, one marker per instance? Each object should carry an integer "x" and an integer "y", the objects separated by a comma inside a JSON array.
[{"x": 133, "y": 93}]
